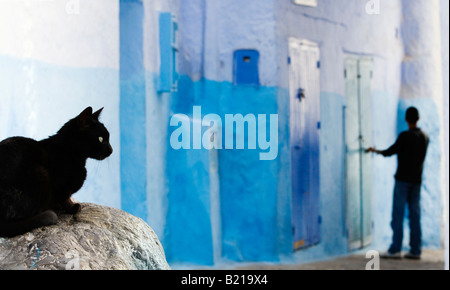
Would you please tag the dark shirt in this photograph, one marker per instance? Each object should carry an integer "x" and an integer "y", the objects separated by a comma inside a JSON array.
[{"x": 411, "y": 149}]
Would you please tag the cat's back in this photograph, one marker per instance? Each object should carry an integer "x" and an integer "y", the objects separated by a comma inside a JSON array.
[
  {"x": 16, "y": 145},
  {"x": 16, "y": 154}
]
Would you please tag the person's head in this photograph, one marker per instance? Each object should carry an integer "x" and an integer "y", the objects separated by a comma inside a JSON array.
[{"x": 412, "y": 116}]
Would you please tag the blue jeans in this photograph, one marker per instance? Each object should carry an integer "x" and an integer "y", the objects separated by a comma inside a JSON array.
[{"x": 406, "y": 193}]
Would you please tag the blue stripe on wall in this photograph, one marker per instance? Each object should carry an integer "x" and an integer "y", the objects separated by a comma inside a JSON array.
[{"x": 132, "y": 109}]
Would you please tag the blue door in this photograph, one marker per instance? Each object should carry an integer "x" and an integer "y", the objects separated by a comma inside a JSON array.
[
  {"x": 304, "y": 87},
  {"x": 358, "y": 130}
]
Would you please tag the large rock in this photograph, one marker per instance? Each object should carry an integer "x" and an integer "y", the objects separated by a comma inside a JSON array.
[{"x": 97, "y": 237}]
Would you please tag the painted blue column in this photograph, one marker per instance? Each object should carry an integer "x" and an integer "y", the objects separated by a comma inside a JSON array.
[
  {"x": 422, "y": 88},
  {"x": 132, "y": 109}
]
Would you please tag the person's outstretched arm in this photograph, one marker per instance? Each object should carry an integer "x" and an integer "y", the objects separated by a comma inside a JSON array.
[{"x": 394, "y": 149}]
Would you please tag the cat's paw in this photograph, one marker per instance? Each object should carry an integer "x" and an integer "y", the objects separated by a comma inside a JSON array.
[
  {"x": 48, "y": 218},
  {"x": 74, "y": 209},
  {"x": 70, "y": 207}
]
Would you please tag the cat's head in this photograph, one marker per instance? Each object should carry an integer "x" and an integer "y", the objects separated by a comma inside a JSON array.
[{"x": 93, "y": 137}]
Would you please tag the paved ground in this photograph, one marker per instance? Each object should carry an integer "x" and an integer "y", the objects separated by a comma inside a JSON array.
[{"x": 431, "y": 260}]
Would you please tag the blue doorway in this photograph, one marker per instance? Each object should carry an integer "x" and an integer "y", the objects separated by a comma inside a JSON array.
[
  {"x": 304, "y": 86},
  {"x": 358, "y": 137}
]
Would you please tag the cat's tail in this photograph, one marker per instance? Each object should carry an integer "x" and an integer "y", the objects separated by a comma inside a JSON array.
[{"x": 11, "y": 229}]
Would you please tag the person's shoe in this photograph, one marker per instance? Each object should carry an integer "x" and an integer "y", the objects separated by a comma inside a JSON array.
[
  {"x": 412, "y": 256},
  {"x": 389, "y": 255}
]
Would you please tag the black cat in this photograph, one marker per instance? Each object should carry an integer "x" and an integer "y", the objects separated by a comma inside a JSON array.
[{"x": 38, "y": 178}]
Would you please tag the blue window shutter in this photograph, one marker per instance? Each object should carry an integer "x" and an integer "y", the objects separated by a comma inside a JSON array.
[
  {"x": 168, "y": 50},
  {"x": 245, "y": 67}
]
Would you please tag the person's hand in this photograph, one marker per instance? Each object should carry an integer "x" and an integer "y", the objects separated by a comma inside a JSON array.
[{"x": 371, "y": 149}]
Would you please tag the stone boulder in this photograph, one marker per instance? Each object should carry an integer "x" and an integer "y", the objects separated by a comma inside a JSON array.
[{"x": 97, "y": 238}]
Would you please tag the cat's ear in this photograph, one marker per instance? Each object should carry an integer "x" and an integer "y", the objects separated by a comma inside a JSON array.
[
  {"x": 85, "y": 117},
  {"x": 86, "y": 113},
  {"x": 96, "y": 115}
]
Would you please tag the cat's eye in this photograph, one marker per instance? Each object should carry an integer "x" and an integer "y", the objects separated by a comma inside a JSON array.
[{"x": 100, "y": 139}]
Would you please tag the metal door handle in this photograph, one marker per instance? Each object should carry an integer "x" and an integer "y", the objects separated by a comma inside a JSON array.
[{"x": 301, "y": 94}]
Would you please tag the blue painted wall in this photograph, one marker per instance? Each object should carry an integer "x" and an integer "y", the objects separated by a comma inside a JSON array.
[
  {"x": 239, "y": 208},
  {"x": 431, "y": 191},
  {"x": 248, "y": 186},
  {"x": 332, "y": 150},
  {"x": 188, "y": 233},
  {"x": 384, "y": 114},
  {"x": 255, "y": 196},
  {"x": 133, "y": 131}
]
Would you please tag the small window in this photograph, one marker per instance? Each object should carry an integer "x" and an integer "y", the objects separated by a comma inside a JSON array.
[
  {"x": 312, "y": 3},
  {"x": 168, "y": 52},
  {"x": 245, "y": 67}
]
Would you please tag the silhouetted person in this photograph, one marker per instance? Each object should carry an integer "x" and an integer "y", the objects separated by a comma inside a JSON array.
[{"x": 411, "y": 148}]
